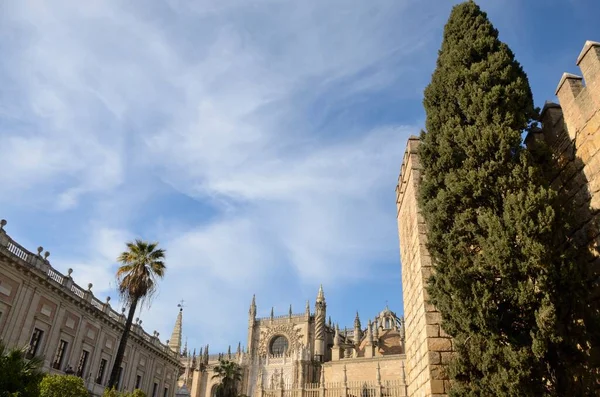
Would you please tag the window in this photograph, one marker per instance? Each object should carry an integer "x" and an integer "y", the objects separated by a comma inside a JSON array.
[
  {"x": 154, "y": 389},
  {"x": 279, "y": 345},
  {"x": 82, "y": 363},
  {"x": 166, "y": 392},
  {"x": 60, "y": 354},
  {"x": 138, "y": 381},
  {"x": 101, "y": 370},
  {"x": 34, "y": 342}
]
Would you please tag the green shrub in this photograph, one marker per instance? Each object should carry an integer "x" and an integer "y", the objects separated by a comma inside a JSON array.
[
  {"x": 18, "y": 376},
  {"x": 62, "y": 386},
  {"x": 115, "y": 393}
]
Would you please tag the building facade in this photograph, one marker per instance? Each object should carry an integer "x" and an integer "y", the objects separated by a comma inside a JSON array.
[
  {"x": 304, "y": 354},
  {"x": 51, "y": 316}
]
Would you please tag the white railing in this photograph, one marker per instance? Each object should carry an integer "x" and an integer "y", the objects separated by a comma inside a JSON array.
[
  {"x": 17, "y": 250},
  {"x": 77, "y": 291},
  {"x": 56, "y": 276}
]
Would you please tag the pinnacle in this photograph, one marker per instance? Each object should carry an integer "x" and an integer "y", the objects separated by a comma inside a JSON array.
[{"x": 321, "y": 294}]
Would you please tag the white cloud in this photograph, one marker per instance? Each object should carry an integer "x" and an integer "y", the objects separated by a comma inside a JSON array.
[{"x": 118, "y": 104}]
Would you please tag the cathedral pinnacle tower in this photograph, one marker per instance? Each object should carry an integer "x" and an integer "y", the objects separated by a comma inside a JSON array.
[
  {"x": 251, "y": 320},
  {"x": 175, "y": 341},
  {"x": 252, "y": 311},
  {"x": 357, "y": 330},
  {"x": 320, "y": 314}
]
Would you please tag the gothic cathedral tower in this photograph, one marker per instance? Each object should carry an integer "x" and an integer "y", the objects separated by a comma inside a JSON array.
[{"x": 320, "y": 314}]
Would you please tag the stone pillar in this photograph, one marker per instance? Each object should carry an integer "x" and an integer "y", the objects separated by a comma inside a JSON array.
[
  {"x": 427, "y": 346},
  {"x": 322, "y": 383}
]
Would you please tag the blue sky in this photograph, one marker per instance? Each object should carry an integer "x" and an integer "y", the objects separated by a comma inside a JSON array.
[{"x": 259, "y": 141}]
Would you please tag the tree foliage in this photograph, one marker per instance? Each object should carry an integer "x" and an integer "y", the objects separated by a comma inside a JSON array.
[
  {"x": 63, "y": 385},
  {"x": 229, "y": 374},
  {"x": 114, "y": 393},
  {"x": 19, "y": 377},
  {"x": 497, "y": 233},
  {"x": 142, "y": 266}
]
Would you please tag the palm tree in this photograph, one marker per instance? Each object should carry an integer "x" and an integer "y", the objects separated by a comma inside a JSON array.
[
  {"x": 229, "y": 374},
  {"x": 19, "y": 376},
  {"x": 142, "y": 264}
]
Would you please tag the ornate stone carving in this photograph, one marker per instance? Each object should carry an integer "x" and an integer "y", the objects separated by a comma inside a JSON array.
[{"x": 293, "y": 335}]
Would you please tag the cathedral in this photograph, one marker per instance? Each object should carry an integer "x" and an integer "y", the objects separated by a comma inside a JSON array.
[{"x": 297, "y": 353}]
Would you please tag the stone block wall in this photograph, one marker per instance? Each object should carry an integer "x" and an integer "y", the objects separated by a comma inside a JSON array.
[
  {"x": 581, "y": 121},
  {"x": 572, "y": 131},
  {"x": 428, "y": 347},
  {"x": 365, "y": 370}
]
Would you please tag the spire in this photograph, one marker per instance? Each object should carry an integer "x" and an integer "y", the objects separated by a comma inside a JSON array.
[
  {"x": 307, "y": 307},
  {"x": 336, "y": 338},
  {"x": 357, "y": 321},
  {"x": 370, "y": 333},
  {"x": 321, "y": 295},
  {"x": 357, "y": 330},
  {"x": 329, "y": 321},
  {"x": 239, "y": 348},
  {"x": 290, "y": 312},
  {"x": 229, "y": 352},
  {"x": 175, "y": 341},
  {"x": 376, "y": 326},
  {"x": 252, "y": 311},
  {"x": 185, "y": 349},
  {"x": 272, "y": 313}
]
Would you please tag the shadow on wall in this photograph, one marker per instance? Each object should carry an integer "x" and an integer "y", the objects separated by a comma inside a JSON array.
[{"x": 578, "y": 198}]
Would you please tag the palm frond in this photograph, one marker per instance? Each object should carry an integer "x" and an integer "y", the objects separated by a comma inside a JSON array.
[{"x": 142, "y": 265}]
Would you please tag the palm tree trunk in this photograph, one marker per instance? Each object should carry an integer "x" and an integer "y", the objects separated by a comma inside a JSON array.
[{"x": 114, "y": 374}]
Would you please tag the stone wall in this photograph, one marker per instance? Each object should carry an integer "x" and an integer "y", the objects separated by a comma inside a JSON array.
[
  {"x": 428, "y": 348},
  {"x": 573, "y": 131},
  {"x": 365, "y": 369}
]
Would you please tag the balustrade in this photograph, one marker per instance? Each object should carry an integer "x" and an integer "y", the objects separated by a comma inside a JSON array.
[
  {"x": 77, "y": 291},
  {"x": 56, "y": 276},
  {"x": 340, "y": 389}
]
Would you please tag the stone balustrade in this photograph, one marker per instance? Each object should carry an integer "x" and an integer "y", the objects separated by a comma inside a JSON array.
[{"x": 394, "y": 388}]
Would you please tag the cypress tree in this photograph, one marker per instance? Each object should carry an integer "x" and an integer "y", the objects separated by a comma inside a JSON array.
[{"x": 505, "y": 274}]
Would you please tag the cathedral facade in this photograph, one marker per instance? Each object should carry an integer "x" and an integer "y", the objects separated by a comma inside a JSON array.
[{"x": 298, "y": 354}]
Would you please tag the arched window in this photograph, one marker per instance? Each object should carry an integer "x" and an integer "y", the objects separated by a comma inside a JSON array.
[
  {"x": 213, "y": 391},
  {"x": 279, "y": 345}
]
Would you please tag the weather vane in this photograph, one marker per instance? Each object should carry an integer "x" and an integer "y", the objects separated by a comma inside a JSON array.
[{"x": 180, "y": 305}]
